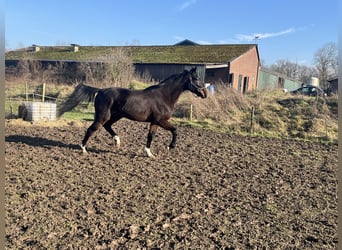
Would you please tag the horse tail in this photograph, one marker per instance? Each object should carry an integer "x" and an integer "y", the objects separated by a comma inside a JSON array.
[{"x": 81, "y": 93}]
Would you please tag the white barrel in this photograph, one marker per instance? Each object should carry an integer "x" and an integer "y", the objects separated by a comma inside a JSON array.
[
  {"x": 40, "y": 111},
  {"x": 314, "y": 81}
]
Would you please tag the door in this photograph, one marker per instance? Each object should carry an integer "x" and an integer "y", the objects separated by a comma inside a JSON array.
[{"x": 245, "y": 84}]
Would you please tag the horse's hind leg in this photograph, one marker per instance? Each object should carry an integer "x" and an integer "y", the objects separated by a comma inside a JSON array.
[
  {"x": 108, "y": 127},
  {"x": 166, "y": 125},
  {"x": 100, "y": 119},
  {"x": 90, "y": 131}
]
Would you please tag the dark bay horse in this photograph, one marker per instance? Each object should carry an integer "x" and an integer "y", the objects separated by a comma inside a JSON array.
[{"x": 154, "y": 104}]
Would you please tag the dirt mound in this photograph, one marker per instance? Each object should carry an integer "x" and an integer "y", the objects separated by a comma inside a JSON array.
[{"x": 213, "y": 191}]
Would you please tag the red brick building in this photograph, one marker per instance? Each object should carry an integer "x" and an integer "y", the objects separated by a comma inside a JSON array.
[
  {"x": 244, "y": 70},
  {"x": 236, "y": 65}
]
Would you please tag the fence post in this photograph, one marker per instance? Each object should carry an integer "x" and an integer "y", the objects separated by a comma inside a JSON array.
[
  {"x": 43, "y": 94},
  {"x": 26, "y": 91},
  {"x": 252, "y": 120},
  {"x": 326, "y": 127},
  {"x": 11, "y": 108}
]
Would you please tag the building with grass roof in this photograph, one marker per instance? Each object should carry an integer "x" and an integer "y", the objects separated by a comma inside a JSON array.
[{"x": 235, "y": 65}]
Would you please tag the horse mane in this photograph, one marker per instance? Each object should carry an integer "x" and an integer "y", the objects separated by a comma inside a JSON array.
[{"x": 165, "y": 81}]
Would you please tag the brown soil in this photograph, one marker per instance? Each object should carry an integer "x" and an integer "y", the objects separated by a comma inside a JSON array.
[{"x": 214, "y": 191}]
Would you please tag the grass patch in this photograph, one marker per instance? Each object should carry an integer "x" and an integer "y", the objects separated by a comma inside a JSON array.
[
  {"x": 276, "y": 114},
  {"x": 78, "y": 115},
  {"x": 134, "y": 84}
]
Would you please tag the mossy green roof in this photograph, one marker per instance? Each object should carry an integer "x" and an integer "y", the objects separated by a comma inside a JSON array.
[{"x": 142, "y": 54}]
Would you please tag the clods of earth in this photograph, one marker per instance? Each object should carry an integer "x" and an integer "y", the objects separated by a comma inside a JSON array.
[{"x": 213, "y": 191}]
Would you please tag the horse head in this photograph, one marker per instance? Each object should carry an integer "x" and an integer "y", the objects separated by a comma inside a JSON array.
[{"x": 195, "y": 85}]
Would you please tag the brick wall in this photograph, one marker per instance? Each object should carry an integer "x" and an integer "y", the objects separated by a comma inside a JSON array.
[{"x": 245, "y": 68}]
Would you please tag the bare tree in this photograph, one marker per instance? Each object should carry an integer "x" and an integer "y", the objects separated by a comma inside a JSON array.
[
  {"x": 304, "y": 73},
  {"x": 30, "y": 69},
  {"x": 293, "y": 70},
  {"x": 326, "y": 63},
  {"x": 118, "y": 66}
]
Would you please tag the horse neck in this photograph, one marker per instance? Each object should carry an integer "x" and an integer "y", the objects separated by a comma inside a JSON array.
[{"x": 173, "y": 88}]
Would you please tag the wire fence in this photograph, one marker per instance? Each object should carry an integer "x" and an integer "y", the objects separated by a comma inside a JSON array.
[
  {"x": 13, "y": 102},
  {"x": 17, "y": 96}
]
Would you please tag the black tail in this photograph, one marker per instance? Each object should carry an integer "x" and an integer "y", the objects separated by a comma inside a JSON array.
[{"x": 81, "y": 93}]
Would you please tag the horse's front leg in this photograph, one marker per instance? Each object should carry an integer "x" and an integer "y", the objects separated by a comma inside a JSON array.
[{"x": 151, "y": 133}]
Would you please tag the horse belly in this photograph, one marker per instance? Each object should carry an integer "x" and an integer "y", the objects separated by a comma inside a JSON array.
[
  {"x": 138, "y": 117},
  {"x": 137, "y": 114}
]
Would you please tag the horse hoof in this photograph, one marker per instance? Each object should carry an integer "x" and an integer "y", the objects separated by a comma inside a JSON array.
[
  {"x": 117, "y": 141},
  {"x": 84, "y": 150},
  {"x": 148, "y": 152}
]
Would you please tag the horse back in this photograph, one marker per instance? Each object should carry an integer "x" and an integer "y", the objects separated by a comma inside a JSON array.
[{"x": 113, "y": 96}]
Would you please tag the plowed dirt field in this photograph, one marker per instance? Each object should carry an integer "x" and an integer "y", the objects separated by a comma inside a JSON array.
[{"x": 214, "y": 191}]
